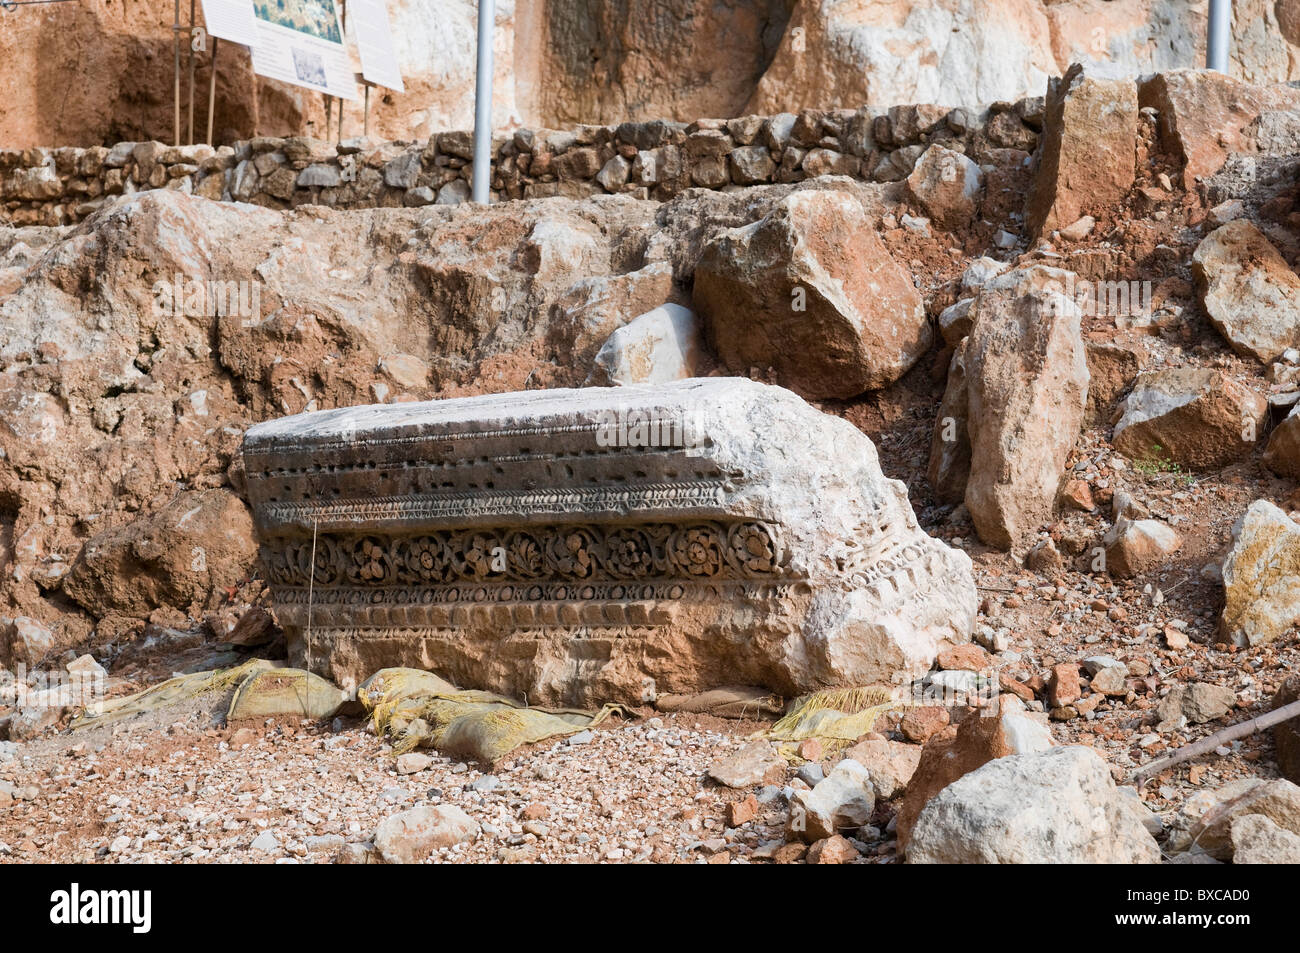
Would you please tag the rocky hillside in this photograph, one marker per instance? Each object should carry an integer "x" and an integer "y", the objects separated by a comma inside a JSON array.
[
  {"x": 1079, "y": 351},
  {"x": 100, "y": 72}
]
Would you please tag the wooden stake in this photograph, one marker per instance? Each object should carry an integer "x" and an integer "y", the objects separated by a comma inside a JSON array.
[
  {"x": 176, "y": 76},
  {"x": 1207, "y": 745},
  {"x": 212, "y": 90},
  {"x": 190, "y": 138}
]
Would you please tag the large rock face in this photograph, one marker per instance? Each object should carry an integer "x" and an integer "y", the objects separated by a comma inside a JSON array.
[
  {"x": 973, "y": 52},
  {"x": 98, "y": 72},
  {"x": 952, "y": 52},
  {"x": 810, "y": 291},
  {"x": 603, "y": 61},
  {"x": 1086, "y": 165},
  {"x": 1058, "y": 806},
  {"x": 583, "y": 546},
  {"x": 1026, "y": 389}
]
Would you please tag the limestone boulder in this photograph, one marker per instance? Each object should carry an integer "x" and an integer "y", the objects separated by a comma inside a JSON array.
[
  {"x": 995, "y": 732},
  {"x": 1134, "y": 547},
  {"x": 1249, "y": 291},
  {"x": 1277, "y": 800},
  {"x": 1256, "y": 839},
  {"x": 183, "y": 555},
  {"x": 1205, "y": 115},
  {"x": 1191, "y": 417},
  {"x": 410, "y": 837},
  {"x": 810, "y": 291},
  {"x": 1026, "y": 389},
  {"x": 1087, "y": 162},
  {"x": 950, "y": 447},
  {"x": 840, "y": 802},
  {"x": 1261, "y": 577},
  {"x": 587, "y": 545},
  {"x": 662, "y": 345},
  {"x": 948, "y": 186},
  {"x": 1058, "y": 806}
]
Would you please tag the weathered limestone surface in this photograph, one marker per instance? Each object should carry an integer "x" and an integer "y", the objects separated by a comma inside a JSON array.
[
  {"x": 595, "y": 545},
  {"x": 811, "y": 291},
  {"x": 1087, "y": 162}
]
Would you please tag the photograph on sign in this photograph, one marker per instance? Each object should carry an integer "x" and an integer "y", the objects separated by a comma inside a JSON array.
[
  {"x": 301, "y": 42},
  {"x": 375, "y": 43},
  {"x": 230, "y": 20}
]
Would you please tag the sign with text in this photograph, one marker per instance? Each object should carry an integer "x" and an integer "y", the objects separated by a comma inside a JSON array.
[
  {"x": 301, "y": 42},
  {"x": 231, "y": 20},
  {"x": 375, "y": 43}
]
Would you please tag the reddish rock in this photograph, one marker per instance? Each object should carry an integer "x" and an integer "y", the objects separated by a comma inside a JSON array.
[
  {"x": 790, "y": 853},
  {"x": 1077, "y": 495},
  {"x": 1025, "y": 402},
  {"x": 810, "y": 749},
  {"x": 964, "y": 658},
  {"x": 920, "y": 724},
  {"x": 1002, "y": 729},
  {"x": 811, "y": 292},
  {"x": 742, "y": 812},
  {"x": 1205, "y": 115},
  {"x": 1086, "y": 165},
  {"x": 1008, "y": 684},
  {"x": 1195, "y": 417},
  {"x": 1112, "y": 369},
  {"x": 1064, "y": 688},
  {"x": 832, "y": 850}
]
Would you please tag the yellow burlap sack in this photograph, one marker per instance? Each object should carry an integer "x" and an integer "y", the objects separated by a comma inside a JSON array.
[
  {"x": 171, "y": 692},
  {"x": 415, "y": 708},
  {"x": 836, "y": 718}
]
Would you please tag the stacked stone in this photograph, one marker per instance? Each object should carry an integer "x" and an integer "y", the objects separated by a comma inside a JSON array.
[{"x": 646, "y": 160}]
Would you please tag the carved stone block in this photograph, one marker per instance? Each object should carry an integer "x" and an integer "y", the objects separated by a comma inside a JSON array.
[{"x": 604, "y": 544}]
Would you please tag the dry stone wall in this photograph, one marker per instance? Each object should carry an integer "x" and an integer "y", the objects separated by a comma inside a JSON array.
[{"x": 653, "y": 160}]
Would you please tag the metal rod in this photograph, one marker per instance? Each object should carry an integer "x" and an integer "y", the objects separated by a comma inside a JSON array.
[
  {"x": 190, "y": 137},
  {"x": 212, "y": 90},
  {"x": 176, "y": 75},
  {"x": 1219, "y": 35},
  {"x": 365, "y": 122},
  {"x": 482, "y": 178}
]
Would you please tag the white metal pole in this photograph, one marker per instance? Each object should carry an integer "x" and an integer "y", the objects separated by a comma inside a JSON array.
[
  {"x": 1220, "y": 32},
  {"x": 483, "y": 103}
]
